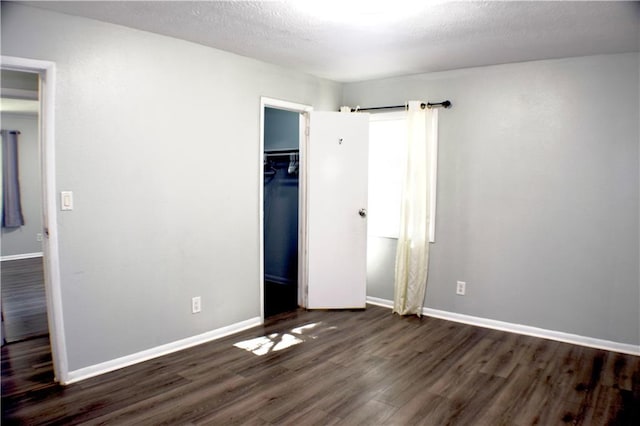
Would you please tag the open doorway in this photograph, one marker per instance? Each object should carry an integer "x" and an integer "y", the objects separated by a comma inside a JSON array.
[
  {"x": 23, "y": 300},
  {"x": 45, "y": 73},
  {"x": 281, "y": 173},
  {"x": 282, "y": 127}
]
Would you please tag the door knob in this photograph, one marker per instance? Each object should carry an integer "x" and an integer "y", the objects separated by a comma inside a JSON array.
[{"x": 363, "y": 212}]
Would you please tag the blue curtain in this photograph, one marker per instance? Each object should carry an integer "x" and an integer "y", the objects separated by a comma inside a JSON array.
[{"x": 11, "y": 206}]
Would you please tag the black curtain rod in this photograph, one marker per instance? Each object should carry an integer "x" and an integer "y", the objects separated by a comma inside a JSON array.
[{"x": 444, "y": 104}]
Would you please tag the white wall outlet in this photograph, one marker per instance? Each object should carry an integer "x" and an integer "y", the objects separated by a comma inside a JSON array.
[
  {"x": 196, "y": 305},
  {"x": 461, "y": 288},
  {"x": 38, "y": 236}
]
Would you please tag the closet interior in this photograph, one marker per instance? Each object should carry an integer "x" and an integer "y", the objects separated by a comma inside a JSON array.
[{"x": 281, "y": 194}]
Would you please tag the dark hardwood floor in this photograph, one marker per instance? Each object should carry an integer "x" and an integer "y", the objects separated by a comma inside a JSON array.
[
  {"x": 348, "y": 367},
  {"x": 23, "y": 299}
]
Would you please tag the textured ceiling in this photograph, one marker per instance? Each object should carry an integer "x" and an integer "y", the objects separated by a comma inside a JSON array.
[{"x": 355, "y": 40}]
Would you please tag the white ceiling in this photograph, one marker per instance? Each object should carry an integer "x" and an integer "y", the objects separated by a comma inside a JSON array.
[{"x": 355, "y": 40}]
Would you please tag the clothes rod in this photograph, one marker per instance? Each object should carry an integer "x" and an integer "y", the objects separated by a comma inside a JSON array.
[{"x": 444, "y": 104}]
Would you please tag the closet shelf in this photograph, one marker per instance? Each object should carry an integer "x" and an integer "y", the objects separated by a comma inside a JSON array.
[{"x": 274, "y": 152}]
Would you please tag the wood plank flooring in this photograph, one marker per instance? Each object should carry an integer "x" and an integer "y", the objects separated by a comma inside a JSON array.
[
  {"x": 348, "y": 367},
  {"x": 23, "y": 299}
]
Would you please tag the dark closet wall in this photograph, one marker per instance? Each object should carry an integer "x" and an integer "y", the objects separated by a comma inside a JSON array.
[
  {"x": 281, "y": 129},
  {"x": 281, "y": 132}
]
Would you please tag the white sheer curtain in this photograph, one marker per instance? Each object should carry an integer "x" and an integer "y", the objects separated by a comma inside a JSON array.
[{"x": 412, "y": 255}]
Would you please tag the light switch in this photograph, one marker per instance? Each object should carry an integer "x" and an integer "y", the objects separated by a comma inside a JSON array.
[{"x": 66, "y": 200}]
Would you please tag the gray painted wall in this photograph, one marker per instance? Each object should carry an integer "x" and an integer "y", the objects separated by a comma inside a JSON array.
[
  {"x": 537, "y": 193},
  {"x": 381, "y": 259},
  {"x": 159, "y": 141},
  {"x": 23, "y": 240}
]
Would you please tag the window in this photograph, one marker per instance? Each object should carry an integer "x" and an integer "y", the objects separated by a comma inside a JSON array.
[
  {"x": 387, "y": 164},
  {"x": 387, "y": 151}
]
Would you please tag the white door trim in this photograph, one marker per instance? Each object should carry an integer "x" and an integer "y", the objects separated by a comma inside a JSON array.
[
  {"x": 47, "y": 72},
  {"x": 302, "y": 212}
]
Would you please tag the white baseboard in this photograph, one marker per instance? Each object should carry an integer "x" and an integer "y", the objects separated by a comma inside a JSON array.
[
  {"x": 21, "y": 256},
  {"x": 521, "y": 329},
  {"x": 125, "y": 361},
  {"x": 385, "y": 303}
]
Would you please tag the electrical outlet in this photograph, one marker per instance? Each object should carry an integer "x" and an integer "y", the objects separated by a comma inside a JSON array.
[
  {"x": 196, "y": 305},
  {"x": 461, "y": 288},
  {"x": 38, "y": 237}
]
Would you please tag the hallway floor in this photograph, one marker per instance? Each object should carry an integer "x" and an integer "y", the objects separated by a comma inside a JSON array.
[{"x": 23, "y": 299}]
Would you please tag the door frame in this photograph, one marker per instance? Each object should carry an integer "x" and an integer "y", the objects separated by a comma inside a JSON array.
[
  {"x": 302, "y": 193},
  {"x": 51, "y": 259}
]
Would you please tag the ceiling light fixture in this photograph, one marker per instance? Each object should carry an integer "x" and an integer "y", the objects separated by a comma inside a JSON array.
[{"x": 359, "y": 12}]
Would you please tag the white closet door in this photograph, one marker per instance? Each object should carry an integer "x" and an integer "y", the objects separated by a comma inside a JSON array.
[{"x": 336, "y": 206}]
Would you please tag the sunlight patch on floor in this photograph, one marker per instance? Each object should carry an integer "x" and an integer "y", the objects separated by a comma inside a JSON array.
[
  {"x": 276, "y": 342},
  {"x": 271, "y": 343}
]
